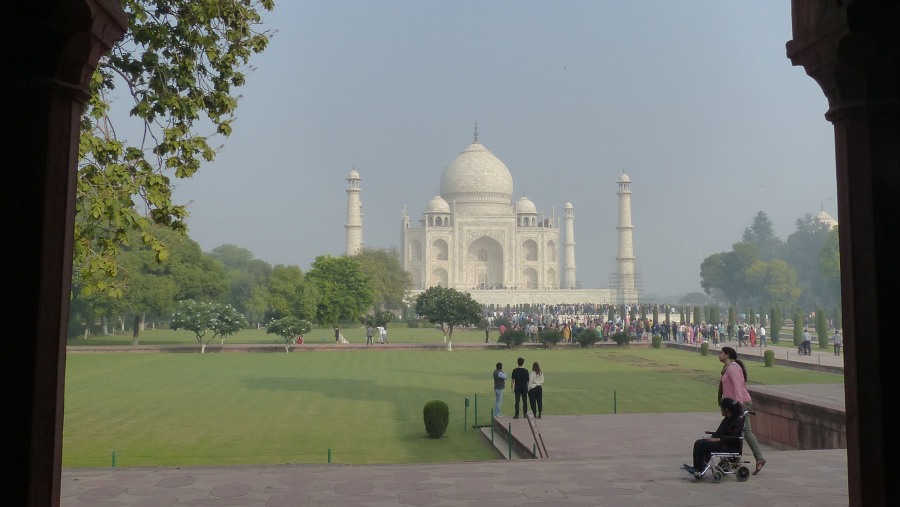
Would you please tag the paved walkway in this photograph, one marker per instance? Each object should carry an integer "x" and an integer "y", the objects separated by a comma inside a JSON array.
[{"x": 616, "y": 460}]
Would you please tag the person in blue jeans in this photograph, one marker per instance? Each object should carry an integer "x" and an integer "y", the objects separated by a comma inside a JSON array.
[{"x": 499, "y": 387}]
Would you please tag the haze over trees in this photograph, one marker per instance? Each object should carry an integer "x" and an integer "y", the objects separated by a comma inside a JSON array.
[
  {"x": 763, "y": 271},
  {"x": 389, "y": 280}
]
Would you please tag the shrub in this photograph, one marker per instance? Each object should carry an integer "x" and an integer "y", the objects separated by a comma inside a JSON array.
[
  {"x": 587, "y": 338},
  {"x": 704, "y": 349},
  {"x": 656, "y": 341},
  {"x": 437, "y": 417},
  {"x": 621, "y": 338},
  {"x": 769, "y": 358},
  {"x": 513, "y": 338},
  {"x": 550, "y": 337}
]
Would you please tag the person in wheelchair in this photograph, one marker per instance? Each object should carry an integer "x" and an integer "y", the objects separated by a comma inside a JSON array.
[{"x": 727, "y": 438}]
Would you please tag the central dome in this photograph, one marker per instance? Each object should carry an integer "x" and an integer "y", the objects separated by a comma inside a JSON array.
[{"x": 476, "y": 175}]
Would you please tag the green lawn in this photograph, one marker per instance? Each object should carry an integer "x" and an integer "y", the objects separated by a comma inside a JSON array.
[
  {"x": 397, "y": 333},
  {"x": 366, "y": 406}
]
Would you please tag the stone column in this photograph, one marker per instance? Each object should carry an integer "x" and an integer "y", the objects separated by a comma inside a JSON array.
[
  {"x": 626, "y": 292},
  {"x": 852, "y": 50},
  {"x": 354, "y": 215},
  {"x": 50, "y": 50}
]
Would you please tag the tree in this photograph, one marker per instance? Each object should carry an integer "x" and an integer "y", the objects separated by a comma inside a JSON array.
[
  {"x": 179, "y": 64},
  {"x": 154, "y": 287},
  {"x": 761, "y": 233},
  {"x": 821, "y": 328},
  {"x": 345, "y": 291},
  {"x": 798, "y": 326},
  {"x": 773, "y": 282},
  {"x": 202, "y": 317},
  {"x": 802, "y": 251},
  {"x": 379, "y": 318},
  {"x": 448, "y": 306},
  {"x": 288, "y": 328},
  {"x": 390, "y": 281},
  {"x": 724, "y": 273},
  {"x": 291, "y": 294},
  {"x": 776, "y": 324},
  {"x": 830, "y": 267},
  {"x": 244, "y": 275}
]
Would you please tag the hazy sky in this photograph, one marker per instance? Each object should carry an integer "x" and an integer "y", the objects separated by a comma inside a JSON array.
[{"x": 695, "y": 100}]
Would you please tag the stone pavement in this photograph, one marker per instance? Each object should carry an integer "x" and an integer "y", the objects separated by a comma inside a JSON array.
[
  {"x": 615, "y": 460},
  {"x": 603, "y": 460}
]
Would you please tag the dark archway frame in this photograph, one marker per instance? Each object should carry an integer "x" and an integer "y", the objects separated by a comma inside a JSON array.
[{"x": 50, "y": 49}]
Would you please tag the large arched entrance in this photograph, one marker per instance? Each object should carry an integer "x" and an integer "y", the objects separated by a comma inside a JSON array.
[{"x": 484, "y": 264}]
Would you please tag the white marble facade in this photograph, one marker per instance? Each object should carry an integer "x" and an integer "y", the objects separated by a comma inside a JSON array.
[{"x": 472, "y": 236}]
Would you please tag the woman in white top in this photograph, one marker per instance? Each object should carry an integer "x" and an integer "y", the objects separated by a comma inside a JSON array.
[{"x": 535, "y": 391}]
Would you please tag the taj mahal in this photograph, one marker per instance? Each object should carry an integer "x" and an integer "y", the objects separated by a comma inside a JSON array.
[{"x": 475, "y": 238}]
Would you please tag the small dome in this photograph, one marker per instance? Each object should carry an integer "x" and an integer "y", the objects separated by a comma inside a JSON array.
[
  {"x": 569, "y": 205},
  {"x": 476, "y": 175},
  {"x": 524, "y": 205},
  {"x": 624, "y": 178},
  {"x": 437, "y": 205},
  {"x": 825, "y": 218},
  {"x": 353, "y": 175}
]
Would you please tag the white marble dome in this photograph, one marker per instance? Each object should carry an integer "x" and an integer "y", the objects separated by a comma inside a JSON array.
[
  {"x": 624, "y": 178},
  {"x": 824, "y": 218},
  {"x": 437, "y": 205},
  {"x": 476, "y": 175},
  {"x": 524, "y": 205}
]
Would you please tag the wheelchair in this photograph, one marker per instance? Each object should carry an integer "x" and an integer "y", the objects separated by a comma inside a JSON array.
[{"x": 728, "y": 463}]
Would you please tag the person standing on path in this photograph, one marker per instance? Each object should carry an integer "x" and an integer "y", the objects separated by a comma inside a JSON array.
[
  {"x": 499, "y": 387},
  {"x": 369, "y": 332},
  {"x": 733, "y": 384},
  {"x": 337, "y": 335},
  {"x": 383, "y": 334},
  {"x": 762, "y": 336},
  {"x": 536, "y": 390},
  {"x": 838, "y": 341},
  {"x": 520, "y": 387},
  {"x": 807, "y": 342}
]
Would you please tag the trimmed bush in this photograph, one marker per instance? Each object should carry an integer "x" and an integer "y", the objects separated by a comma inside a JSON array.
[
  {"x": 513, "y": 338},
  {"x": 769, "y": 358},
  {"x": 704, "y": 349},
  {"x": 550, "y": 337},
  {"x": 587, "y": 338},
  {"x": 621, "y": 338},
  {"x": 656, "y": 341},
  {"x": 437, "y": 417}
]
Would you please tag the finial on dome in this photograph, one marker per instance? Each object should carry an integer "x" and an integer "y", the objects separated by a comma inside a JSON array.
[{"x": 476, "y": 132}]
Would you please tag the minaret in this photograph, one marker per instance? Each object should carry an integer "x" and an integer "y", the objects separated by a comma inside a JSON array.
[
  {"x": 354, "y": 215},
  {"x": 626, "y": 293},
  {"x": 569, "y": 282}
]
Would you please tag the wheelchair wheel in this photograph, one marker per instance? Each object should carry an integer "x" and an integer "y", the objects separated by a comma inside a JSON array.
[
  {"x": 743, "y": 474},
  {"x": 717, "y": 475}
]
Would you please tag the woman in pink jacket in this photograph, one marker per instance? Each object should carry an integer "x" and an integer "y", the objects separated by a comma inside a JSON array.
[{"x": 734, "y": 385}]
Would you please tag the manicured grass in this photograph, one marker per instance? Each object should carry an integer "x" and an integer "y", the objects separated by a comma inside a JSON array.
[
  {"x": 397, "y": 333},
  {"x": 366, "y": 406}
]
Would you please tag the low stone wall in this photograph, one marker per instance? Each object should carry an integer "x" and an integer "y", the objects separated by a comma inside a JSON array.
[{"x": 800, "y": 416}]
